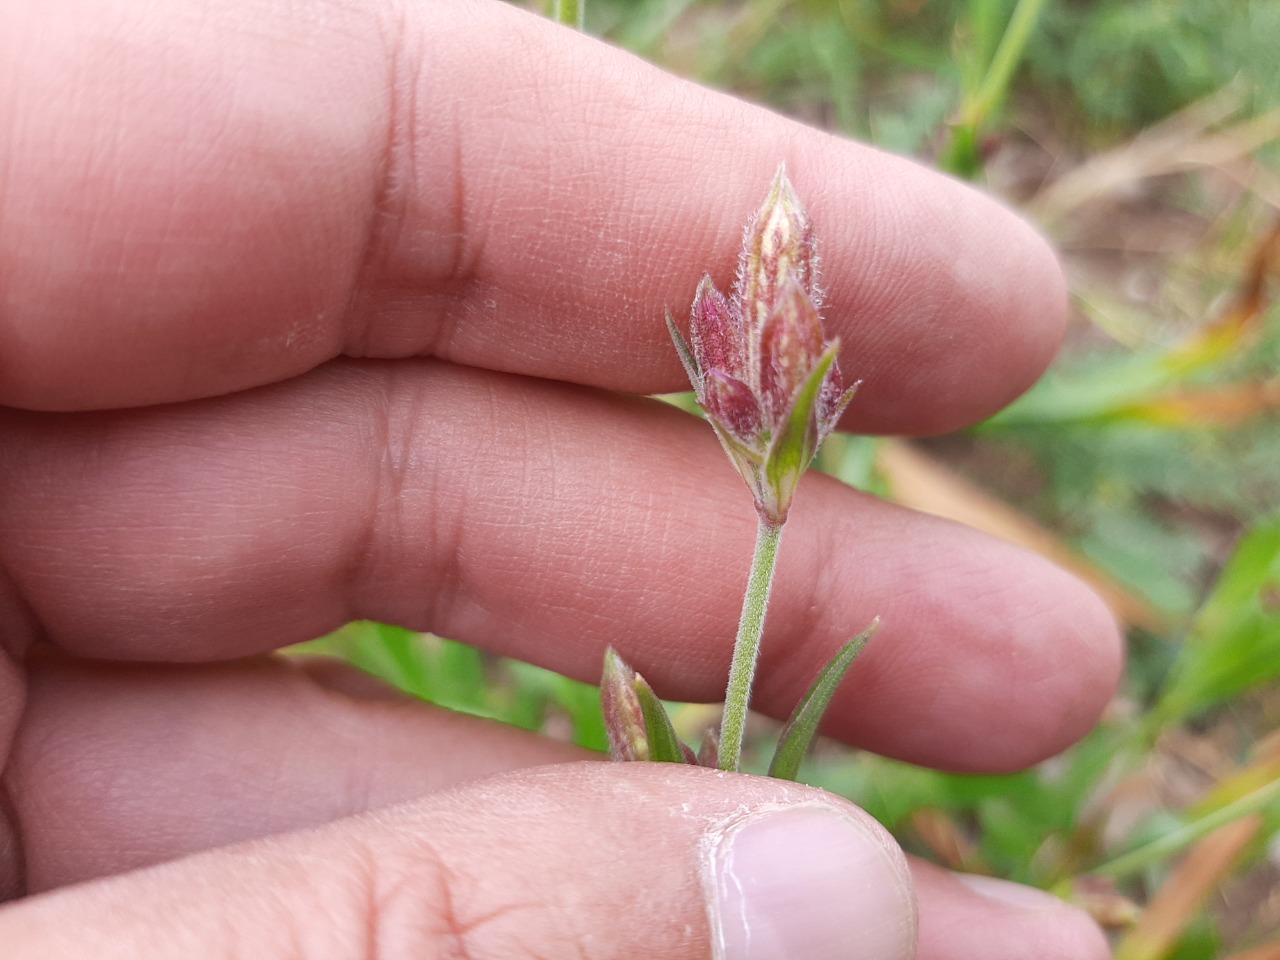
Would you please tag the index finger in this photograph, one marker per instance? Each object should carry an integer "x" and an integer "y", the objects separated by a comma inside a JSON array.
[{"x": 207, "y": 196}]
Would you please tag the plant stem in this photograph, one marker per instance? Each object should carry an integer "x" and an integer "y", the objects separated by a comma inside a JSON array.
[
  {"x": 568, "y": 12},
  {"x": 746, "y": 648}
]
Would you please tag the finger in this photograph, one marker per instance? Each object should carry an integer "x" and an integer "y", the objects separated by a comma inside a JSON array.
[
  {"x": 588, "y": 860},
  {"x": 121, "y": 766},
  {"x": 218, "y": 195},
  {"x": 539, "y": 522},
  {"x": 170, "y": 739},
  {"x": 964, "y": 917}
]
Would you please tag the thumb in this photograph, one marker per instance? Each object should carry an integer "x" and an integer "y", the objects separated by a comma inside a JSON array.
[{"x": 587, "y": 860}]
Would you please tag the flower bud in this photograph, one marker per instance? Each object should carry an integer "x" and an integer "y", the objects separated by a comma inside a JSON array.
[
  {"x": 623, "y": 716},
  {"x": 778, "y": 248},
  {"x": 760, "y": 364}
]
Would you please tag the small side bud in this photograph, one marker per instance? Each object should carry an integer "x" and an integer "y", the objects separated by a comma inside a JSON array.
[
  {"x": 791, "y": 344},
  {"x": 709, "y": 752},
  {"x": 716, "y": 331},
  {"x": 731, "y": 404},
  {"x": 623, "y": 716}
]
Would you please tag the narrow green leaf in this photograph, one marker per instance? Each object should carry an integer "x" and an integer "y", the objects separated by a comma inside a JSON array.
[
  {"x": 664, "y": 746},
  {"x": 1234, "y": 644},
  {"x": 685, "y": 352},
  {"x": 800, "y": 730}
]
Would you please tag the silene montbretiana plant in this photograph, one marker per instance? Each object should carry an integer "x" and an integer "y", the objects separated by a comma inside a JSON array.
[{"x": 766, "y": 376}]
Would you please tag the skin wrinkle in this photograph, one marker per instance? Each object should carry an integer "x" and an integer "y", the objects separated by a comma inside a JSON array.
[
  {"x": 448, "y": 524},
  {"x": 18, "y": 631},
  {"x": 589, "y": 229},
  {"x": 461, "y": 921},
  {"x": 12, "y": 859},
  {"x": 394, "y": 181},
  {"x": 418, "y": 284},
  {"x": 208, "y": 755},
  {"x": 386, "y": 213},
  {"x": 147, "y": 236},
  {"x": 364, "y": 870},
  {"x": 12, "y": 708},
  {"x": 410, "y": 472},
  {"x": 383, "y": 489}
]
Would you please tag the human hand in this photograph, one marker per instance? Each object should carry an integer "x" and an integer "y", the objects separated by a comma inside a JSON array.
[{"x": 208, "y": 212}]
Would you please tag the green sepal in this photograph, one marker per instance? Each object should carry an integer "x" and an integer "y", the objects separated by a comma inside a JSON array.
[
  {"x": 745, "y": 460},
  {"x": 800, "y": 730},
  {"x": 686, "y": 354},
  {"x": 795, "y": 444},
  {"x": 664, "y": 745}
]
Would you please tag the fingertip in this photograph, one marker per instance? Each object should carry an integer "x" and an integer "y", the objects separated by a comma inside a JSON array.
[
  {"x": 1066, "y": 661},
  {"x": 1093, "y": 651},
  {"x": 953, "y": 303},
  {"x": 965, "y": 915},
  {"x": 998, "y": 657},
  {"x": 1057, "y": 658}
]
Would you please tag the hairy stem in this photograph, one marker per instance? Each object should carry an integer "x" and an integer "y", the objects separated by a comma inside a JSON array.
[{"x": 746, "y": 649}]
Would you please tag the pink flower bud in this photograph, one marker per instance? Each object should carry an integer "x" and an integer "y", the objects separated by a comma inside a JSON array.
[
  {"x": 791, "y": 344},
  {"x": 716, "y": 330},
  {"x": 778, "y": 247},
  {"x": 623, "y": 716},
  {"x": 760, "y": 364}
]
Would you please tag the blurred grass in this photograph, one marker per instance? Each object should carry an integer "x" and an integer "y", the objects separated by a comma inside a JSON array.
[{"x": 1141, "y": 135}]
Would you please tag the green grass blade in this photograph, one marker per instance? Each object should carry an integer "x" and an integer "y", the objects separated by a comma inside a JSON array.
[
  {"x": 1234, "y": 643},
  {"x": 995, "y": 85},
  {"x": 800, "y": 730},
  {"x": 572, "y": 13},
  {"x": 984, "y": 97},
  {"x": 581, "y": 703},
  {"x": 1175, "y": 841}
]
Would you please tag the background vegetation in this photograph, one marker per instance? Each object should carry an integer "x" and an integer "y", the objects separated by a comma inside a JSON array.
[{"x": 1141, "y": 135}]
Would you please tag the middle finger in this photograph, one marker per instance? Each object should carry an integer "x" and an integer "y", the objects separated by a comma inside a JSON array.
[{"x": 538, "y": 520}]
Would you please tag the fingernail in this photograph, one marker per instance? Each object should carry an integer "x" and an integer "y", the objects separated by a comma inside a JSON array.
[{"x": 809, "y": 883}]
